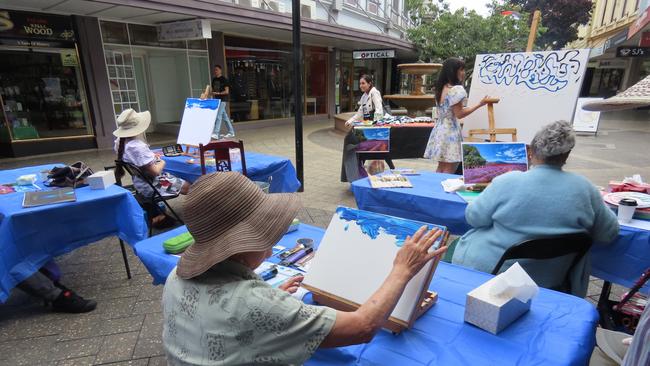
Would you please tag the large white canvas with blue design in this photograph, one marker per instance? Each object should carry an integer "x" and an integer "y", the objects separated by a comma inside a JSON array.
[
  {"x": 356, "y": 255},
  {"x": 535, "y": 88},
  {"x": 198, "y": 121}
]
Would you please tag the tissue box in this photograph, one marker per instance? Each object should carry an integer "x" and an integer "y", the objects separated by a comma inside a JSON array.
[
  {"x": 101, "y": 180},
  {"x": 492, "y": 313}
]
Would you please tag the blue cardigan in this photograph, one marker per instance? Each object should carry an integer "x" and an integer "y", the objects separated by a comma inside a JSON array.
[{"x": 544, "y": 201}]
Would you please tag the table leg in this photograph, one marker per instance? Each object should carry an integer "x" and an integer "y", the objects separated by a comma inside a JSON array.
[
  {"x": 606, "y": 320},
  {"x": 126, "y": 260}
]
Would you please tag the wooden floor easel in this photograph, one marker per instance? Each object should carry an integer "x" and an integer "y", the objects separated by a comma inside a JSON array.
[{"x": 492, "y": 131}]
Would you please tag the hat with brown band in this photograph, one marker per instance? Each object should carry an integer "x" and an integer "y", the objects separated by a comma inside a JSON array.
[
  {"x": 227, "y": 214},
  {"x": 638, "y": 95}
]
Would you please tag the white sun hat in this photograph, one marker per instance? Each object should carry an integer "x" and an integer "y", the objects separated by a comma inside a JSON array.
[{"x": 131, "y": 123}]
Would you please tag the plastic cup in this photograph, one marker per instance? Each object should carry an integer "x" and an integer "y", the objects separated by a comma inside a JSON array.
[{"x": 626, "y": 208}]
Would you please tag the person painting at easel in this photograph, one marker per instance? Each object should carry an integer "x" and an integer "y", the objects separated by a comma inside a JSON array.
[
  {"x": 445, "y": 140},
  {"x": 221, "y": 90}
]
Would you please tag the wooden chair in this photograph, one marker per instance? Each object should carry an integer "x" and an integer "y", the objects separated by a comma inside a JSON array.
[
  {"x": 549, "y": 248},
  {"x": 221, "y": 151}
]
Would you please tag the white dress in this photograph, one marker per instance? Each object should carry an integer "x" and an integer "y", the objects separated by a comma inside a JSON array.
[{"x": 445, "y": 140}]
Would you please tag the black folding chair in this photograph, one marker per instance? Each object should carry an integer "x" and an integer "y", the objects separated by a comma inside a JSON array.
[
  {"x": 149, "y": 204},
  {"x": 549, "y": 248}
]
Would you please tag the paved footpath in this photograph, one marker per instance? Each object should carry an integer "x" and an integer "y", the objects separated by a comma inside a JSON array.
[{"x": 125, "y": 328}]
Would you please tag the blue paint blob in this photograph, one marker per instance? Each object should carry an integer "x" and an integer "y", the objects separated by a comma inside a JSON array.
[
  {"x": 373, "y": 224},
  {"x": 202, "y": 103}
]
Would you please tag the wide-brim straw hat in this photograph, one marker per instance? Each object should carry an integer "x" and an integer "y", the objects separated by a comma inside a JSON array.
[
  {"x": 227, "y": 214},
  {"x": 131, "y": 123},
  {"x": 638, "y": 95}
]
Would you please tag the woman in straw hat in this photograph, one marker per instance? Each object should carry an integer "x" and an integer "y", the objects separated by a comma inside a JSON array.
[
  {"x": 218, "y": 311},
  {"x": 131, "y": 148}
]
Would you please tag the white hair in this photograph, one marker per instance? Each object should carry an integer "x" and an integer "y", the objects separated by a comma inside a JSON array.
[{"x": 554, "y": 139}]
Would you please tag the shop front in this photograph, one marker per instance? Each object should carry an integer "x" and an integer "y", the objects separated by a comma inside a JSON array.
[
  {"x": 42, "y": 91},
  {"x": 351, "y": 65}
]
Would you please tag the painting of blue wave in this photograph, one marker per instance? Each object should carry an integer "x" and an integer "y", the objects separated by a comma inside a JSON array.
[
  {"x": 373, "y": 224},
  {"x": 191, "y": 103}
]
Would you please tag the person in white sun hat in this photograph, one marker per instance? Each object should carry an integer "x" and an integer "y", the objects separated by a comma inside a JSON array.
[{"x": 131, "y": 148}]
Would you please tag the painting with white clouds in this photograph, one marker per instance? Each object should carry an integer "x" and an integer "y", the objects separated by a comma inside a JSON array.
[{"x": 482, "y": 162}]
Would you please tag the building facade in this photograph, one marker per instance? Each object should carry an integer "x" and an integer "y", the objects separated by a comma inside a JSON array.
[
  {"x": 67, "y": 68},
  {"x": 609, "y": 31}
]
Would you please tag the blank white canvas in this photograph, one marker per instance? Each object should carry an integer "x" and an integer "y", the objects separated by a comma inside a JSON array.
[
  {"x": 535, "y": 88},
  {"x": 352, "y": 266},
  {"x": 198, "y": 121},
  {"x": 586, "y": 121}
]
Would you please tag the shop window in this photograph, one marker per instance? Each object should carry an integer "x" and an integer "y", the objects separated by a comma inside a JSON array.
[
  {"x": 42, "y": 94},
  {"x": 121, "y": 77}
]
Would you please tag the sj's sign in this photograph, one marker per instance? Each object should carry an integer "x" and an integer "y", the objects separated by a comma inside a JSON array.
[
  {"x": 23, "y": 25},
  {"x": 633, "y": 51},
  {"x": 363, "y": 55}
]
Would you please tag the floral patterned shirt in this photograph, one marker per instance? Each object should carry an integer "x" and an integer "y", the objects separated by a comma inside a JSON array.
[{"x": 229, "y": 316}]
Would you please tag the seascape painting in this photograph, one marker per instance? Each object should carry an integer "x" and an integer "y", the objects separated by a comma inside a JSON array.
[{"x": 482, "y": 162}]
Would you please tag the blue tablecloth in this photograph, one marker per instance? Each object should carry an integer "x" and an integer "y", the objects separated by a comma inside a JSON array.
[
  {"x": 259, "y": 167},
  {"x": 558, "y": 330},
  {"x": 426, "y": 201},
  {"x": 30, "y": 237},
  {"x": 160, "y": 264},
  {"x": 621, "y": 262}
]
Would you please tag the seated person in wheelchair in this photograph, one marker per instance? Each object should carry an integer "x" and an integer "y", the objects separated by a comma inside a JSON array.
[
  {"x": 545, "y": 201},
  {"x": 131, "y": 148}
]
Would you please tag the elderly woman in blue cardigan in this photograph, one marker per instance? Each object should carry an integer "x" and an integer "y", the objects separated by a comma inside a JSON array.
[{"x": 544, "y": 201}]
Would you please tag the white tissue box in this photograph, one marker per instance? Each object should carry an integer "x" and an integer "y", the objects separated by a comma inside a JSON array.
[
  {"x": 492, "y": 313},
  {"x": 101, "y": 180}
]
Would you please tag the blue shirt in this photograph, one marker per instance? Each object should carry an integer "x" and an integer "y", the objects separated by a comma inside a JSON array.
[{"x": 544, "y": 201}]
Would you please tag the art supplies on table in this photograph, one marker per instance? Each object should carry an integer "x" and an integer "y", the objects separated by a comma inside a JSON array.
[
  {"x": 468, "y": 196},
  {"x": 26, "y": 180},
  {"x": 301, "y": 243},
  {"x": 452, "y": 185},
  {"x": 372, "y": 139},
  {"x": 41, "y": 198},
  {"x": 482, "y": 162},
  {"x": 404, "y": 171},
  {"x": 294, "y": 225},
  {"x": 172, "y": 150},
  {"x": 389, "y": 181},
  {"x": 276, "y": 274},
  {"x": 362, "y": 245},
  {"x": 178, "y": 243},
  {"x": 4, "y": 189},
  {"x": 295, "y": 257}
]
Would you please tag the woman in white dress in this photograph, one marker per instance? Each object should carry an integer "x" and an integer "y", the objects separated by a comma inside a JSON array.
[{"x": 445, "y": 140}]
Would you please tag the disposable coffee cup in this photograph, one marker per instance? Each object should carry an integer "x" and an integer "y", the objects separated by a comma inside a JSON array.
[{"x": 626, "y": 208}]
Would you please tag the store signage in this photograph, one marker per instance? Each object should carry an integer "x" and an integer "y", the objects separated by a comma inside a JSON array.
[
  {"x": 615, "y": 40},
  {"x": 370, "y": 54},
  {"x": 185, "y": 31},
  {"x": 642, "y": 21},
  {"x": 596, "y": 51},
  {"x": 612, "y": 64},
  {"x": 632, "y": 51},
  {"x": 645, "y": 39},
  {"x": 30, "y": 26},
  {"x": 69, "y": 58}
]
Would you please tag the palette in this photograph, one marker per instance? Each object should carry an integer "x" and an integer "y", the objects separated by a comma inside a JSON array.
[{"x": 642, "y": 199}]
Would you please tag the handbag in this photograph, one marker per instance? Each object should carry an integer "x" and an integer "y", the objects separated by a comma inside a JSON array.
[{"x": 69, "y": 176}]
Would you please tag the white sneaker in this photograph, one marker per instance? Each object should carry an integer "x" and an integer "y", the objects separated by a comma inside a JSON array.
[
  {"x": 228, "y": 135},
  {"x": 215, "y": 136}
]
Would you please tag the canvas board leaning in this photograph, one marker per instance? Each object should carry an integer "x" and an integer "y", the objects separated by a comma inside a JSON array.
[
  {"x": 198, "y": 121},
  {"x": 356, "y": 255},
  {"x": 484, "y": 161}
]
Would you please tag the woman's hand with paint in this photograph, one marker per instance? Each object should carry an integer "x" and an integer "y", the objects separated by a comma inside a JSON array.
[
  {"x": 414, "y": 254},
  {"x": 292, "y": 284}
]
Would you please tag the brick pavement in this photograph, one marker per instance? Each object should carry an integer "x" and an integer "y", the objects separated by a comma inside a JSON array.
[{"x": 126, "y": 326}]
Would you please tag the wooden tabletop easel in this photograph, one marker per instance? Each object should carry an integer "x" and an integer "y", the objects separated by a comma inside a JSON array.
[{"x": 492, "y": 131}]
